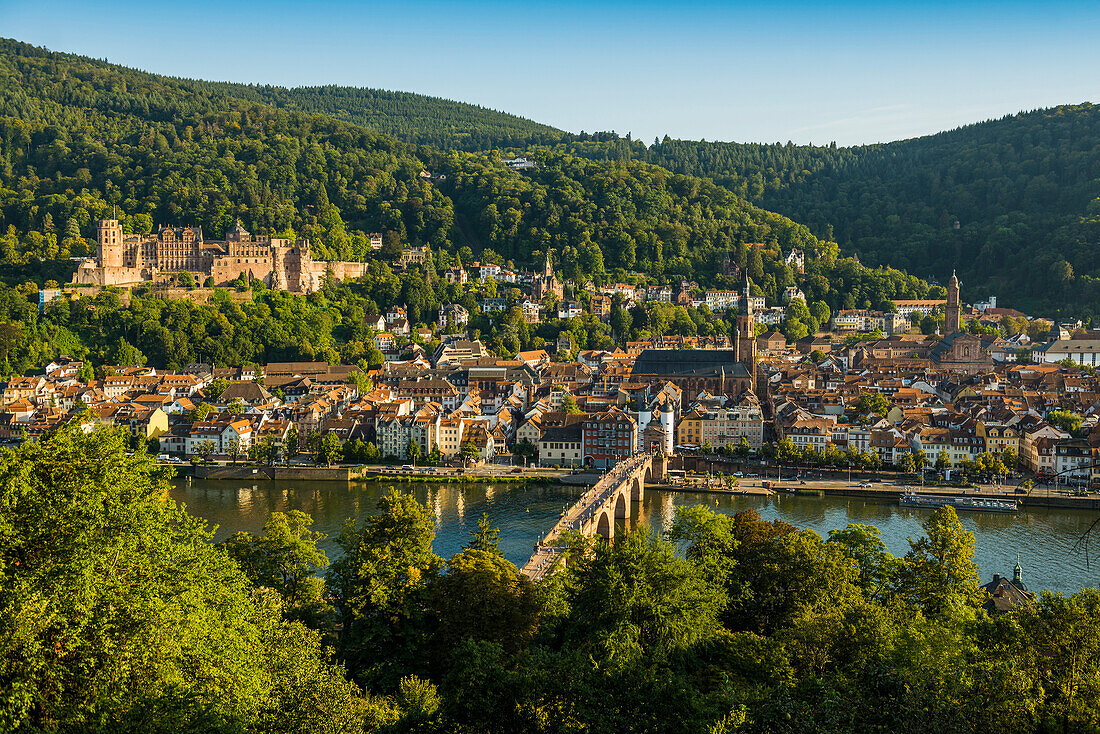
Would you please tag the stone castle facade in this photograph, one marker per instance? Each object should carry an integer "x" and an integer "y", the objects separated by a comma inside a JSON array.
[{"x": 123, "y": 259}]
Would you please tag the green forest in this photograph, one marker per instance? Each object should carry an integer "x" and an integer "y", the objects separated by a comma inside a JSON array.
[
  {"x": 983, "y": 199},
  {"x": 118, "y": 613},
  {"x": 1011, "y": 204},
  {"x": 415, "y": 118},
  {"x": 81, "y": 139}
]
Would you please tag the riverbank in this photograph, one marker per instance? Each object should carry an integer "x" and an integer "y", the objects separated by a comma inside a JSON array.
[
  {"x": 247, "y": 472},
  {"x": 890, "y": 494}
]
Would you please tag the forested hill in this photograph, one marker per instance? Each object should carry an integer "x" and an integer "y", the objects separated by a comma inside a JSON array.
[
  {"x": 1010, "y": 203},
  {"x": 79, "y": 137},
  {"x": 415, "y": 118}
]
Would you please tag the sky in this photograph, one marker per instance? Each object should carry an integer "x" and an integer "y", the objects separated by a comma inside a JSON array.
[{"x": 843, "y": 71}]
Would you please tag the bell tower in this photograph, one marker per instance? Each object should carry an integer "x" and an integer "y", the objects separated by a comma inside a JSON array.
[
  {"x": 951, "y": 310},
  {"x": 746, "y": 334},
  {"x": 109, "y": 252}
]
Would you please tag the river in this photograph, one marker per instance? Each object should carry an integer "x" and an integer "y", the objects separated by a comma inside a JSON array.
[{"x": 1045, "y": 538}]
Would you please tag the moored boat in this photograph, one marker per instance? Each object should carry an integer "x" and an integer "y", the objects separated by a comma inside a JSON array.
[{"x": 974, "y": 504}]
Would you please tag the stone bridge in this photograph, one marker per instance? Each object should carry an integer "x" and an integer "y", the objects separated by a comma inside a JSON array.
[{"x": 596, "y": 511}]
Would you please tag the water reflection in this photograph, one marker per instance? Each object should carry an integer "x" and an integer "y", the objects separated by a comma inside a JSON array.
[{"x": 1045, "y": 538}]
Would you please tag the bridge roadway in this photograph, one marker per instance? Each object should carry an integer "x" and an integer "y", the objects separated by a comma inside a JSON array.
[{"x": 597, "y": 509}]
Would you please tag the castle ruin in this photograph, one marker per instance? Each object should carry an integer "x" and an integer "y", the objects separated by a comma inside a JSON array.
[{"x": 128, "y": 260}]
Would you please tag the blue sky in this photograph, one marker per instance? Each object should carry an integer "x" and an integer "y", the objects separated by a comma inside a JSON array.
[{"x": 844, "y": 71}]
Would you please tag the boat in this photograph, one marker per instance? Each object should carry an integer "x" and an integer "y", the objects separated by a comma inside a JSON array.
[{"x": 974, "y": 504}]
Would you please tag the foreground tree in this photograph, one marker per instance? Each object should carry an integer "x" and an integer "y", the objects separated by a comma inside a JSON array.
[
  {"x": 378, "y": 588},
  {"x": 939, "y": 568},
  {"x": 285, "y": 558},
  {"x": 116, "y": 613}
]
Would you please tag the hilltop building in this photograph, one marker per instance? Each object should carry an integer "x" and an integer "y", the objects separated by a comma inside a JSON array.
[
  {"x": 123, "y": 259},
  {"x": 546, "y": 283}
]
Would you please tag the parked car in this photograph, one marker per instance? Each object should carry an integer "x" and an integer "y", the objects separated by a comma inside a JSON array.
[{"x": 865, "y": 484}]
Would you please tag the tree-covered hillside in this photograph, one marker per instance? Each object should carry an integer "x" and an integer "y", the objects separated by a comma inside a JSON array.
[
  {"x": 79, "y": 138},
  {"x": 82, "y": 140},
  {"x": 415, "y": 118},
  {"x": 1012, "y": 204}
]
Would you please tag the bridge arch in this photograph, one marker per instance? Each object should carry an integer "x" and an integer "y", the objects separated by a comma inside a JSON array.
[
  {"x": 636, "y": 487},
  {"x": 622, "y": 506},
  {"x": 604, "y": 527}
]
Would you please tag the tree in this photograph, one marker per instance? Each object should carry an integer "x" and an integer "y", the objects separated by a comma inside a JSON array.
[
  {"x": 205, "y": 450},
  {"x": 636, "y": 599},
  {"x": 908, "y": 463},
  {"x": 235, "y": 407},
  {"x": 787, "y": 452},
  {"x": 569, "y": 405},
  {"x": 873, "y": 402},
  {"x": 314, "y": 446},
  {"x": 378, "y": 586},
  {"x": 258, "y": 375},
  {"x": 233, "y": 449},
  {"x": 99, "y": 627},
  {"x": 484, "y": 597},
  {"x": 216, "y": 387},
  {"x": 743, "y": 448},
  {"x": 470, "y": 452},
  {"x": 939, "y": 567},
  {"x": 266, "y": 450},
  {"x": 285, "y": 558},
  {"x": 200, "y": 412},
  {"x": 363, "y": 384},
  {"x": 1067, "y": 420},
  {"x": 525, "y": 450},
  {"x": 412, "y": 451},
  {"x": 943, "y": 460},
  {"x": 86, "y": 373},
  {"x": 330, "y": 448},
  {"x": 292, "y": 444},
  {"x": 878, "y": 570}
]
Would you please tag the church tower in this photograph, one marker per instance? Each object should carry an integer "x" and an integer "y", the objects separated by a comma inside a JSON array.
[
  {"x": 951, "y": 311},
  {"x": 746, "y": 333},
  {"x": 109, "y": 252}
]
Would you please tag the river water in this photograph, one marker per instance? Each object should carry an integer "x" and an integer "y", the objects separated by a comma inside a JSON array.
[{"x": 1046, "y": 539}]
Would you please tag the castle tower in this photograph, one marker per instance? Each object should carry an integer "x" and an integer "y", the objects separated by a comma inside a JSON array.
[
  {"x": 548, "y": 269},
  {"x": 951, "y": 311},
  {"x": 109, "y": 252}
]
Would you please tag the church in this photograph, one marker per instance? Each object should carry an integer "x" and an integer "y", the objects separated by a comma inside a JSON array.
[
  {"x": 714, "y": 371},
  {"x": 129, "y": 260},
  {"x": 960, "y": 351}
]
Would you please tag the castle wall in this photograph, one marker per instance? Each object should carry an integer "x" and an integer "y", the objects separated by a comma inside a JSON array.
[{"x": 88, "y": 273}]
